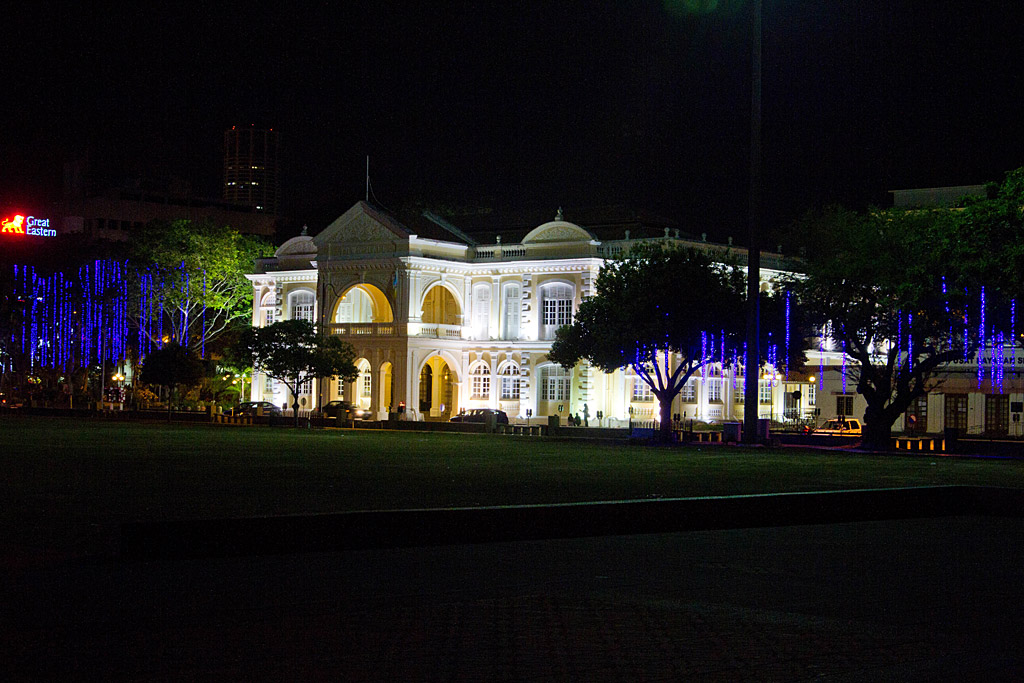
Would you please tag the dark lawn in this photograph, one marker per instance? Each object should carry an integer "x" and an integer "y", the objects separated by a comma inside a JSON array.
[{"x": 67, "y": 484}]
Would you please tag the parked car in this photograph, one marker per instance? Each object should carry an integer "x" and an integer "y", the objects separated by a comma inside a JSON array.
[
  {"x": 840, "y": 426},
  {"x": 480, "y": 415},
  {"x": 251, "y": 408},
  {"x": 342, "y": 410}
]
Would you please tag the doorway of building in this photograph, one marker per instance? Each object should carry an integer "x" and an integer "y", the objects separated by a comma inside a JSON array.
[{"x": 438, "y": 398}]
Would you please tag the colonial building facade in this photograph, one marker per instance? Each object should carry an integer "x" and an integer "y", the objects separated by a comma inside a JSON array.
[{"x": 442, "y": 322}]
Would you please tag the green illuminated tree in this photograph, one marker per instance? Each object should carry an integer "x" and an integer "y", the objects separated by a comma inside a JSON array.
[
  {"x": 195, "y": 273},
  {"x": 292, "y": 351},
  {"x": 654, "y": 311}
]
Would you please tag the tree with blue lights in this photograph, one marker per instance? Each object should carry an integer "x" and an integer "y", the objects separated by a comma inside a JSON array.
[
  {"x": 664, "y": 311},
  {"x": 189, "y": 282},
  {"x": 904, "y": 293}
]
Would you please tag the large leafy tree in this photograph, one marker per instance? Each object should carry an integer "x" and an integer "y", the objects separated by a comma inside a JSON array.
[
  {"x": 655, "y": 311},
  {"x": 190, "y": 280},
  {"x": 292, "y": 351},
  {"x": 900, "y": 293}
]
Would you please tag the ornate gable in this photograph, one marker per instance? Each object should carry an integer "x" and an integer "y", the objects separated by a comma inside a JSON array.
[{"x": 360, "y": 224}]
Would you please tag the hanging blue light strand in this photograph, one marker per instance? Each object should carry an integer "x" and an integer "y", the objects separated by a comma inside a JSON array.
[
  {"x": 821, "y": 360},
  {"x": 1013, "y": 333},
  {"x": 899, "y": 341},
  {"x": 703, "y": 355},
  {"x": 967, "y": 327},
  {"x": 945, "y": 297},
  {"x": 910, "y": 342},
  {"x": 981, "y": 341},
  {"x": 844, "y": 364}
]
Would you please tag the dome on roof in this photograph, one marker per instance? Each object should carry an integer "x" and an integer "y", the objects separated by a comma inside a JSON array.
[
  {"x": 301, "y": 246},
  {"x": 558, "y": 231}
]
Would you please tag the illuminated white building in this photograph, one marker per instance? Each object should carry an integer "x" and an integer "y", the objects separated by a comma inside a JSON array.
[{"x": 443, "y": 322}]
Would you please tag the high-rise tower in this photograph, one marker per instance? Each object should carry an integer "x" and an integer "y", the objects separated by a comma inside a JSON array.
[{"x": 251, "y": 168}]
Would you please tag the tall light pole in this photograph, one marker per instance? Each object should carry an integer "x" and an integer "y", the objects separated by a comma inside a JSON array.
[{"x": 752, "y": 360}]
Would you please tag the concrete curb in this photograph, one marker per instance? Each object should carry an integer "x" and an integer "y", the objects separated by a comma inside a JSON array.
[{"x": 408, "y": 528}]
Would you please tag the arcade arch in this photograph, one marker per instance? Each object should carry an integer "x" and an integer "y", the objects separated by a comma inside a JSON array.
[
  {"x": 363, "y": 303},
  {"x": 440, "y": 307},
  {"x": 437, "y": 389}
]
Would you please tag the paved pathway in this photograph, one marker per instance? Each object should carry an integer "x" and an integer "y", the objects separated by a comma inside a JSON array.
[{"x": 915, "y": 600}]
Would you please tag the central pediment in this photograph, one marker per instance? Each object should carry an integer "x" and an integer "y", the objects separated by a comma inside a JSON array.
[{"x": 362, "y": 224}]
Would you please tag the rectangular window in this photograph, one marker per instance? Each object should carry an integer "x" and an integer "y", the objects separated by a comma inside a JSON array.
[
  {"x": 513, "y": 311},
  {"x": 715, "y": 390},
  {"x": 812, "y": 394},
  {"x": 956, "y": 411},
  {"x": 844, "y": 405},
  {"x": 689, "y": 391},
  {"x": 557, "y": 312},
  {"x": 268, "y": 384},
  {"x": 306, "y": 386},
  {"x": 481, "y": 311},
  {"x": 642, "y": 391},
  {"x": 997, "y": 414},
  {"x": 764, "y": 391},
  {"x": 510, "y": 388},
  {"x": 916, "y": 419},
  {"x": 481, "y": 386},
  {"x": 554, "y": 384},
  {"x": 366, "y": 384},
  {"x": 738, "y": 396}
]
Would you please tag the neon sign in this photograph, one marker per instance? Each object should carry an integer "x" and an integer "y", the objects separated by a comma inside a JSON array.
[{"x": 20, "y": 225}]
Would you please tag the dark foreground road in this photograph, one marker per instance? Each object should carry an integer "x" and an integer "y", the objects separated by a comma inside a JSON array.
[{"x": 905, "y": 600}]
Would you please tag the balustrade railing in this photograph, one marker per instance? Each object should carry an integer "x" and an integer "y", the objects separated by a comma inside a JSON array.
[
  {"x": 363, "y": 329},
  {"x": 434, "y": 330}
]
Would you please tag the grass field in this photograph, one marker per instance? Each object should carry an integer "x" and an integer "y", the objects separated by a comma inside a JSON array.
[{"x": 67, "y": 484}]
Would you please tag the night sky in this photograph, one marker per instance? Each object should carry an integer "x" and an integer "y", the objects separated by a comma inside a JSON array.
[{"x": 523, "y": 104}]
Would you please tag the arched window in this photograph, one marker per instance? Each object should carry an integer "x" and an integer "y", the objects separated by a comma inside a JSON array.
[
  {"x": 268, "y": 305},
  {"x": 509, "y": 382},
  {"x": 513, "y": 312},
  {"x": 554, "y": 383},
  {"x": 480, "y": 383},
  {"x": 364, "y": 383},
  {"x": 301, "y": 305},
  {"x": 481, "y": 311},
  {"x": 556, "y": 308}
]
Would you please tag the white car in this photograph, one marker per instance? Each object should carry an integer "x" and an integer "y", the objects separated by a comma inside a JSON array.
[{"x": 841, "y": 426}]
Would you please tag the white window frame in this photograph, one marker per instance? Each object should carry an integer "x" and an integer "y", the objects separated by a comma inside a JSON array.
[
  {"x": 688, "y": 394},
  {"x": 509, "y": 374},
  {"x": 554, "y": 383},
  {"x": 304, "y": 309},
  {"x": 714, "y": 389},
  {"x": 268, "y": 309},
  {"x": 556, "y": 307},
  {"x": 480, "y": 381},
  {"x": 481, "y": 311},
  {"x": 642, "y": 392},
  {"x": 513, "y": 299}
]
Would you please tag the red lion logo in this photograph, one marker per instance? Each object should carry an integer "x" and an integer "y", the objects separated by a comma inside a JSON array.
[{"x": 16, "y": 224}]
